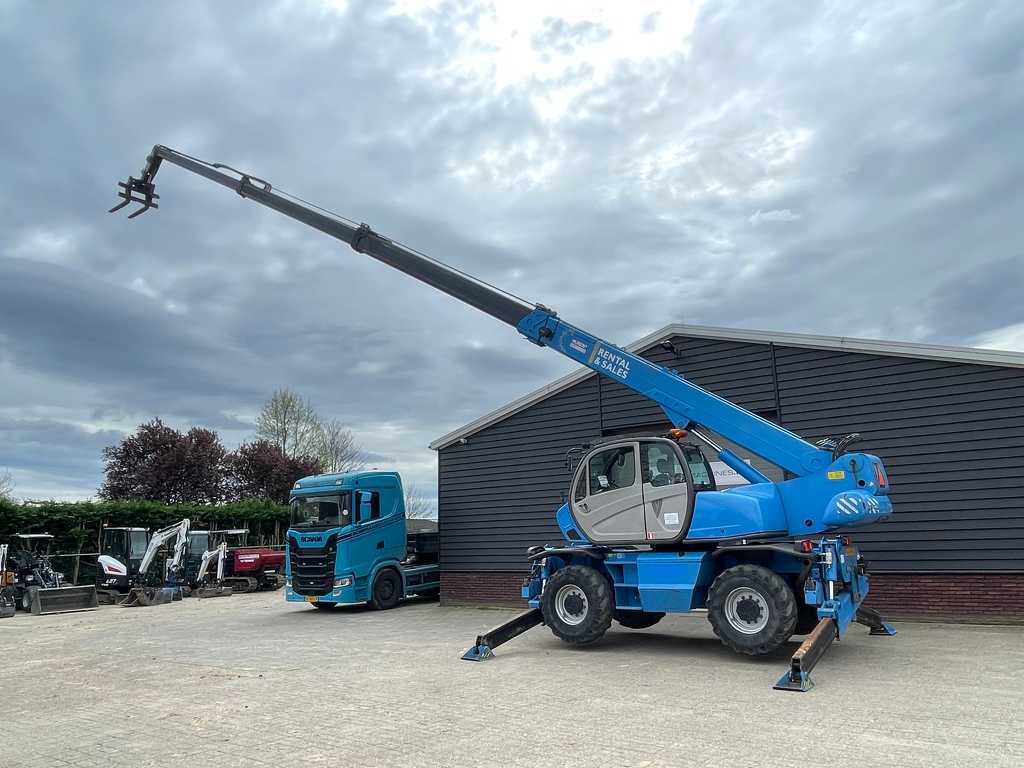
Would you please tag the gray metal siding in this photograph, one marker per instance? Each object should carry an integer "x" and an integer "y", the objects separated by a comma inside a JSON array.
[
  {"x": 952, "y": 439},
  {"x": 951, "y": 435},
  {"x": 498, "y": 493}
]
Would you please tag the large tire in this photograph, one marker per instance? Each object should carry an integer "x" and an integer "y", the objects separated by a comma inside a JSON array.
[
  {"x": 638, "y": 619},
  {"x": 387, "y": 590},
  {"x": 752, "y": 610},
  {"x": 577, "y": 604}
]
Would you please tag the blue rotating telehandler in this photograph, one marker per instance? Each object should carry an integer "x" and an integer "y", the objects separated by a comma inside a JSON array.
[{"x": 645, "y": 531}]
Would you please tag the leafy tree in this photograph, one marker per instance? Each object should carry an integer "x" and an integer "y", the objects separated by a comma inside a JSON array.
[
  {"x": 290, "y": 423},
  {"x": 159, "y": 463},
  {"x": 337, "y": 448},
  {"x": 261, "y": 470}
]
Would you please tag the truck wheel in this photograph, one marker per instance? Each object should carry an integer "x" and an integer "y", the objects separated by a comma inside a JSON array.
[
  {"x": 577, "y": 604},
  {"x": 751, "y": 609},
  {"x": 387, "y": 590},
  {"x": 638, "y": 619}
]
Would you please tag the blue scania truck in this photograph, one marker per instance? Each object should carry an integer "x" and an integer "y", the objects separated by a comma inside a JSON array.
[{"x": 349, "y": 542}]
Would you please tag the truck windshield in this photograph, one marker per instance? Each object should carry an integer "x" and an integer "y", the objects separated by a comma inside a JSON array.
[{"x": 322, "y": 511}]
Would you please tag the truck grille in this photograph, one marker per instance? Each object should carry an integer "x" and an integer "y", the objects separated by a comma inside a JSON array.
[{"x": 312, "y": 567}]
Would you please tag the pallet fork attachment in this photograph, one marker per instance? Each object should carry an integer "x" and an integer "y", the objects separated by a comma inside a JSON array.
[
  {"x": 136, "y": 191},
  {"x": 485, "y": 644},
  {"x": 798, "y": 678}
]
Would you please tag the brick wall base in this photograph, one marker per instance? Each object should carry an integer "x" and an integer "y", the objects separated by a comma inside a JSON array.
[{"x": 995, "y": 597}]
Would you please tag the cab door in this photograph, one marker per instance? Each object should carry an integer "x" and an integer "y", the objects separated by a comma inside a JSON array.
[
  {"x": 668, "y": 493},
  {"x": 608, "y": 501}
]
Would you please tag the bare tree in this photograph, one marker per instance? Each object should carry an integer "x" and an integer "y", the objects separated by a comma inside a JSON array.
[
  {"x": 290, "y": 423},
  {"x": 337, "y": 448},
  {"x": 6, "y": 485},
  {"x": 418, "y": 506}
]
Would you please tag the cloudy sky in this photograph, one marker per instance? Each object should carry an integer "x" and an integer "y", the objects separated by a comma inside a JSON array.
[{"x": 840, "y": 168}]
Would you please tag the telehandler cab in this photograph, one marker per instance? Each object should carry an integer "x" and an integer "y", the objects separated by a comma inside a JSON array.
[{"x": 640, "y": 540}]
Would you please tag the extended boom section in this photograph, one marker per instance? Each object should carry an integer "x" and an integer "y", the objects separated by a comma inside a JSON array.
[{"x": 645, "y": 530}]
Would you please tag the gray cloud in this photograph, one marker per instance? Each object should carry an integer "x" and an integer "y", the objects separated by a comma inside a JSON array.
[{"x": 876, "y": 148}]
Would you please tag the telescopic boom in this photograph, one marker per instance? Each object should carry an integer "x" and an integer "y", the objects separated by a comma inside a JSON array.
[{"x": 686, "y": 405}]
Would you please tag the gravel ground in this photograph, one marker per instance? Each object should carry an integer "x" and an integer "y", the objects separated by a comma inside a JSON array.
[{"x": 253, "y": 681}]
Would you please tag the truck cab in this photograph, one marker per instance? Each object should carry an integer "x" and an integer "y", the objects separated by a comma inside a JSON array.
[{"x": 348, "y": 542}]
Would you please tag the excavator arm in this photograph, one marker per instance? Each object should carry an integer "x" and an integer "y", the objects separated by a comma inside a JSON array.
[
  {"x": 218, "y": 554},
  {"x": 178, "y": 531},
  {"x": 812, "y": 506}
]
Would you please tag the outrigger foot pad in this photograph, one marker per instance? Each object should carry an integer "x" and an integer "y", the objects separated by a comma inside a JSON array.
[
  {"x": 485, "y": 644},
  {"x": 873, "y": 620},
  {"x": 798, "y": 678}
]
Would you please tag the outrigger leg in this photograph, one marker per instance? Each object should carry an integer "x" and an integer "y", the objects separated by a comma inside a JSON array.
[
  {"x": 798, "y": 678},
  {"x": 485, "y": 644},
  {"x": 872, "y": 619}
]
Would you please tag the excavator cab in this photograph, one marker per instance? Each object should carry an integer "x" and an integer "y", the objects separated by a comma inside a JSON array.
[
  {"x": 117, "y": 567},
  {"x": 638, "y": 490}
]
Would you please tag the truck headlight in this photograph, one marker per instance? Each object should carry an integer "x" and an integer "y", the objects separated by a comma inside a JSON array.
[{"x": 342, "y": 581}]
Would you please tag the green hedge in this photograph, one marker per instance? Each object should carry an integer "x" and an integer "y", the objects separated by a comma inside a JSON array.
[{"x": 75, "y": 524}]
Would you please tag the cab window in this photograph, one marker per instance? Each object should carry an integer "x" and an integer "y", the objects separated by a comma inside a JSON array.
[
  {"x": 138, "y": 542},
  {"x": 113, "y": 543},
  {"x": 661, "y": 464},
  {"x": 699, "y": 469},
  {"x": 612, "y": 469},
  {"x": 580, "y": 492}
]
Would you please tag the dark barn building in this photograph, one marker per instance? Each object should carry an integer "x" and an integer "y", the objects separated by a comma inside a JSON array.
[{"x": 947, "y": 421}]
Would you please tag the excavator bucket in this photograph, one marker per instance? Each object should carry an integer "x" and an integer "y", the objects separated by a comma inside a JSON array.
[
  {"x": 63, "y": 599},
  {"x": 217, "y": 590},
  {"x": 146, "y": 596}
]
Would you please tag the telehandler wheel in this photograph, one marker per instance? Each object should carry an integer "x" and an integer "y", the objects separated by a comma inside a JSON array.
[
  {"x": 387, "y": 590},
  {"x": 751, "y": 609},
  {"x": 577, "y": 604},
  {"x": 638, "y": 619}
]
